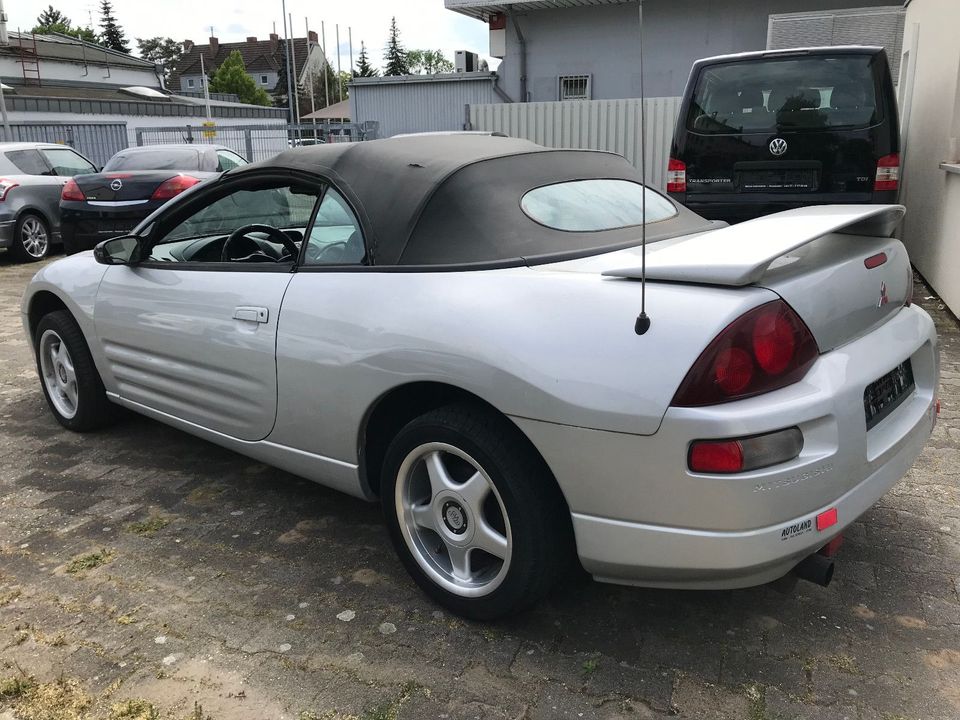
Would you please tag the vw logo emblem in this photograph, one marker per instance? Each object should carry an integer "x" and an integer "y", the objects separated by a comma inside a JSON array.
[
  {"x": 778, "y": 147},
  {"x": 115, "y": 185}
]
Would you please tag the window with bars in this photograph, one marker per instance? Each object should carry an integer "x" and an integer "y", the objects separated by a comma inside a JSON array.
[{"x": 574, "y": 87}]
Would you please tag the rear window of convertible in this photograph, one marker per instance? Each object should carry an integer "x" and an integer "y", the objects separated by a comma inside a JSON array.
[{"x": 594, "y": 205}]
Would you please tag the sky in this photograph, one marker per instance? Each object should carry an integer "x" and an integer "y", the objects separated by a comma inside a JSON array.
[{"x": 422, "y": 23}]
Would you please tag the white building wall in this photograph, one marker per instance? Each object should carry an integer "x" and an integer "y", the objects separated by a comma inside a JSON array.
[
  {"x": 931, "y": 182},
  {"x": 93, "y": 72}
]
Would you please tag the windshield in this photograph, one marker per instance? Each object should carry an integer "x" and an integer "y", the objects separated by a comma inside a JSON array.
[
  {"x": 770, "y": 95},
  {"x": 160, "y": 159}
]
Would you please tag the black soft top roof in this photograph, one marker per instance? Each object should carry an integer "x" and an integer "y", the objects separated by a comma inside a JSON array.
[{"x": 455, "y": 199}]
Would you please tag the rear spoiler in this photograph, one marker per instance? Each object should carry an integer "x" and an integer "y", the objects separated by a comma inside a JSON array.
[{"x": 740, "y": 254}]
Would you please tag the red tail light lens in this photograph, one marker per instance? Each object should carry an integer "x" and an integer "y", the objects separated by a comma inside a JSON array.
[
  {"x": 765, "y": 349},
  {"x": 725, "y": 456},
  {"x": 743, "y": 454},
  {"x": 173, "y": 187},
  {"x": 72, "y": 191},
  {"x": 6, "y": 185},
  {"x": 888, "y": 173},
  {"x": 676, "y": 176}
]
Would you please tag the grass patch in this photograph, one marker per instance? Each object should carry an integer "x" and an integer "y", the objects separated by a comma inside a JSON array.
[
  {"x": 126, "y": 620},
  {"x": 88, "y": 562},
  {"x": 757, "y": 696},
  {"x": 15, "y": 687},
  {"x": 149, "y": 527},
  {"x": 391, "y": 709},
  {"x": 134, "y": 710},
  {"x": 197, "y": 713},
  {"x": 9, "y": 597},
  {"x": 590, "y": 666},
  {"x": 62, "y": 700},
  {"x": 845, "y": 664}
]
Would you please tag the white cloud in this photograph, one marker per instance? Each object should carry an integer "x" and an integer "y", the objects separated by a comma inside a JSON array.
[{"x": 422, "y": 23}]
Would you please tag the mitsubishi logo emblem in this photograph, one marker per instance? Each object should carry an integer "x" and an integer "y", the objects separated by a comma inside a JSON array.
[
  {"x": 778, "y": 146},
  {"x": 115, "y": 185},
  {"x": 883, "y": 295}
]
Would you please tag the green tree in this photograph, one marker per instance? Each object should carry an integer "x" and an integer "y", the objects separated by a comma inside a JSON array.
[
  {"x": 51, "y": 16},
  {"x": 231, "y": 77},
  {"x": 52, "y": 20},
  {"x": 428, "y": 62},
  {"x": 112, "y": 35},
  {"x": 165, "y": 51},
  {"x": 395, "y": 57},
  {"x": 364, "y": 68}
]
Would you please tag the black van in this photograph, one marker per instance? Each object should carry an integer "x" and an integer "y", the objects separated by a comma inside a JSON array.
[{"x": 767, "y": 131}]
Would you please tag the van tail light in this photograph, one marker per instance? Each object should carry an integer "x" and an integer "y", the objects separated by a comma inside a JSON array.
[
  {"x": 72, "y": 191},
  {"x": 765, "y": 349},
  {"x": 173, "y": 187},
  {"x": 744, "y": 454},
  {"x": 888, "y": 173},
  {"x": 676, "y": 176},
  {"x": 6, "y": 185}
]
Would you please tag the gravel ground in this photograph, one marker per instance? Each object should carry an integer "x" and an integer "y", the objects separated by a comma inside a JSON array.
[{"x": 145, "y": 574}]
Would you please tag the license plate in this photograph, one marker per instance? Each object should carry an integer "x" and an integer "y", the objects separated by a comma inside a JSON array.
[
  {"x": 784, "y": 180},
  {"x": 883, "y": 396}
]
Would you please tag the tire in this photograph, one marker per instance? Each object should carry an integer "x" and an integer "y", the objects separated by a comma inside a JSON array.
[
  {"x": 68, "y": 377},
  {"x": 31, "y": 238},
  {"x": 436, "y": 471}
]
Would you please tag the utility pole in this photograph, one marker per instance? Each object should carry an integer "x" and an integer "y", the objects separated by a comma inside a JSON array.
[
  {"x": 4, "y": 40},
  {"x": 326, "y": 79},
  {"x": 312, "y": 78},
  {"x": 286, "y": 48},
  {"x": 339, "y": 89},
  {"x": 296, "y": 84},
  {"x": 206, "y": 87}
]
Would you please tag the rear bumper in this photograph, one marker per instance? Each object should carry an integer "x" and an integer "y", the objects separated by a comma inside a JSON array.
[
  {"x": 7, "y": 230},
  {"x": 641, "y": 517},
  {"x": 737, "y": 208},
  {"x": 83, "y": 229}
]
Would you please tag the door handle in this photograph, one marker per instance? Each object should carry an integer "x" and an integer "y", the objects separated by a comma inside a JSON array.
[{"x": 251, "y": 314}]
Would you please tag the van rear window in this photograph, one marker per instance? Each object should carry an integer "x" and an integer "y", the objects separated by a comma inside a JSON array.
[{"x": 769, "y": 95}]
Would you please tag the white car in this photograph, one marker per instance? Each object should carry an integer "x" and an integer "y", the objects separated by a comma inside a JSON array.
[{"x": 449, "y": 324}]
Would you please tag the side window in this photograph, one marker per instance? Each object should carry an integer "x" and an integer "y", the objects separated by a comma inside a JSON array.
[
  {"x": 68, "y": 163},
  {"x": 28, "y": 162},
  {"x": 227, "y": 160},
  {"x": 210, "y": 234},
  {"x": 336, "y": 238}
]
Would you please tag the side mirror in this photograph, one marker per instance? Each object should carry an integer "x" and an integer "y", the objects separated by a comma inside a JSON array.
[{"x": 123, "y": 250}]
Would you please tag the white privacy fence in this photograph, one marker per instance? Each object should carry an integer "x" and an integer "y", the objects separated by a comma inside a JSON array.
[{"x": 594, "y": 124}]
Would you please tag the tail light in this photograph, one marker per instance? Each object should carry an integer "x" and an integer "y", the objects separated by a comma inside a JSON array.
[
  {"x": 72, "y": 191},
  {"x": 173, "y": 187},
  {"x": 676, "y": 176},
  {"x": 765, "y": 349},
  {"x": 888, "y": 173},
  {"x": 6, "y": 185},
  {"x": 743, "y": 454}
]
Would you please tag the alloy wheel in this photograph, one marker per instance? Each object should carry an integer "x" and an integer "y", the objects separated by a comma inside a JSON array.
[
  {"x": 34, "y": 238},
  {"x": 59, "y": 375},
  {"x": 453, "y": 520}
]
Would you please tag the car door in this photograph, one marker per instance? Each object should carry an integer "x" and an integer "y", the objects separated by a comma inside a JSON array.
[{"x": 190, "y": 331}]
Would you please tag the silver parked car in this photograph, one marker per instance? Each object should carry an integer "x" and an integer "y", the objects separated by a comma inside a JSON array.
[
  {"x": 32, "y": 176},
  {"x": 449, "y": 325}
]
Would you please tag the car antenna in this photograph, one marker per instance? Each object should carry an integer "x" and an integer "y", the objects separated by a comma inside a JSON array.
[{"x": 643, "y": 321}]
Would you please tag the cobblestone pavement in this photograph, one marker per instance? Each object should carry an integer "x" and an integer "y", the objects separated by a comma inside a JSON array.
[{"x": 144, "y": 574}]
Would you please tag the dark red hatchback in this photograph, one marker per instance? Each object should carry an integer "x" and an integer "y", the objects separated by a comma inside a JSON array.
[{"x": 768, "y": 131}]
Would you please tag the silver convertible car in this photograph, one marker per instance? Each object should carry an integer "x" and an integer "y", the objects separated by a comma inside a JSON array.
[{"x": 449, "y": 325}]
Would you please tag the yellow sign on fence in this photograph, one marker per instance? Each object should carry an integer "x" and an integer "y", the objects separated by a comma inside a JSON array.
[{"x": 209, "y": 129}]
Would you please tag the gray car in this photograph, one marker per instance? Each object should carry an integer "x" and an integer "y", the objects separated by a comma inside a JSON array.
[{"x": 31, "y": 178}]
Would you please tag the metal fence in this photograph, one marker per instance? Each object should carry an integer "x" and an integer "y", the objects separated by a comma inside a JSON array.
[
  {"x": 594, "y": 124},
  {"x": 257, "y": 142},
  {"x": 96, "y": 141}
]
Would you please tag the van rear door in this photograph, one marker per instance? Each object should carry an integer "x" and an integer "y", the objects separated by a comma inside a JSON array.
[{"x": 785, "y": 130}]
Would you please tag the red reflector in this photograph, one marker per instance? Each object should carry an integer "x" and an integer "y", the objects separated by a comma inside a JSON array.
[
  {"x": 832, "y": 547},
  {"x": 828, "y": 518},
  {"x": 716, "y": 457},
  {"x": 875, "y": 261},
  {"x": 938, "y": 407}
]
